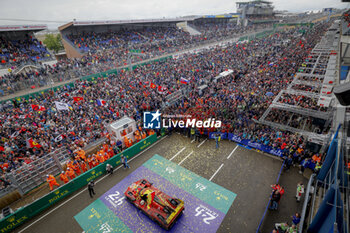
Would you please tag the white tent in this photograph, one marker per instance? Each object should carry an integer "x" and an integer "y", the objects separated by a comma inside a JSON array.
[{"x": 123, "y": 127}]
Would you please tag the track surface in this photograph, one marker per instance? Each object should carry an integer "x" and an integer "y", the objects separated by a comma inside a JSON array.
[{"x": 247, "y": 173}]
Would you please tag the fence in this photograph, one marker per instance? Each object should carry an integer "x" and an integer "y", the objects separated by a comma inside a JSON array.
[
  {"x": 22, "y": 215},
  {"x": 268, "y": 204},
  {"x": 30, "y": 176}
]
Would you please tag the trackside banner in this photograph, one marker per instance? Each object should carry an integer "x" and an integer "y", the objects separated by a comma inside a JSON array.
[{"x": 248, "y": 143}]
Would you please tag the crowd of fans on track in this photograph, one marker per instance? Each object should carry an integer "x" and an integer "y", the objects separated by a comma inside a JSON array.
[{"x": 259, "y": 67}]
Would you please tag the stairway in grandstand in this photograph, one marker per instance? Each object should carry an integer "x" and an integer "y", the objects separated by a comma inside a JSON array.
[{"x": 188, "y": 28}]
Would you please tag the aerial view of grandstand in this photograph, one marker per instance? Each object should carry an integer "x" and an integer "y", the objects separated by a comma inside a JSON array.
[{"x": 210, "y": 122}]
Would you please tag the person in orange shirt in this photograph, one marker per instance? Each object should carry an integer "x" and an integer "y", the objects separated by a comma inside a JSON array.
[
  {"x": 151, "y": 132},
  {"x": 64, "y": 177},
  {"x": 94, "y": 162},
  {"x": 89, "y": 160},
  {"x": 52, "y": 181},
  {"x": 110, "y": 152},
  {"x": 130, "y": 142},
  {"x": 106, "y": 156},
  {"x": 316, "y": 158},
  {"x": 76, "y": 168},
  {"x": 126, "y": 142},
  {"x": 137, "y": 136},
  {"x": 101, "y": 158},
  {"x": 105, "y": 147},
  {"x": 70, "y": 164},
  {"x": 70, "y": 173},
  {"x": 97, "y": 156},
  {"x": 143, "y": 135},
  {"x": 81, "y": 154},
  {"x": 83, "y": 166}
]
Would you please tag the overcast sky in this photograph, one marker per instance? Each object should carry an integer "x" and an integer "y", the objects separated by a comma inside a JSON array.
[{"x": 66, "y": 10}]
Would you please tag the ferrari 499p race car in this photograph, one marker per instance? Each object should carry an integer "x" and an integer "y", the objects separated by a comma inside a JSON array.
[{"x": 160, "y": 207}]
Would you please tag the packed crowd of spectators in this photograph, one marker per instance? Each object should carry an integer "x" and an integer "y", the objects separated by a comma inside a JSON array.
[
  {"x": 108, "y": 50},
  {"x": 301, "y": 101},
  {"x": 307, "y": 88},
  {"x": 92, "y": 41},
  {"x": 32, "y": 127},
  {"x": 21, "y": 51}
]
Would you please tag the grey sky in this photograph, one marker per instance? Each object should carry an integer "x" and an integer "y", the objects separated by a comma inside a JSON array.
[{"x": 66, "y": 10}]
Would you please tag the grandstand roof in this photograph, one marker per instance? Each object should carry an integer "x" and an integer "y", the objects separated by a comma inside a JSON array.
[
  {"x": 231, "y": 15},
  {"x": 255, "y": 1},
  {"x": 134, "y": 21},
  {"x": 9, "y": 28}
]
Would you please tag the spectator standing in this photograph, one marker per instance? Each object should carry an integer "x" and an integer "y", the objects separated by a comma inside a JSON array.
[
  {"x": 124, "y": 161},
  {"x": 300, "y": 191},
  {"x": 91, "y": 185},
  {"x": 296, "y": 218},
  {"x": 217, "y": 140},
  {"x": 64, "y": 177},
  {"x": 52, "y": 181},
  {"x": 275, "y": 198},
  {"x": 109, "y": 169},
  {"x": 197, "y": 134}
]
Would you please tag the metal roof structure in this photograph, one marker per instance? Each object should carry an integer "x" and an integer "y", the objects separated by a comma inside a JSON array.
[{"x": 9, "y": 28}]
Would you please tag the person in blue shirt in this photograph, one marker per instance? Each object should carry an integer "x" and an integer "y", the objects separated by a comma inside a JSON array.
[
  {"x": 217, "y": 139},
  {"x": 296, "y": 218},
  {"x": 124, "y": 161},
  {"x": 119, "y": 144}
]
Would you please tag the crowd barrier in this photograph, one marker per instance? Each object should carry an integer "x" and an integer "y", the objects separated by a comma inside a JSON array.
[
  {"x": 25, "y": 213},
  {"x": 248, "y": 143}
]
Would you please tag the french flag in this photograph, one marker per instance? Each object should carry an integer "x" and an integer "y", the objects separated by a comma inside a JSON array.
[
  {"x": 184, "y": 81},
  {"x": 101, "y": 102}
]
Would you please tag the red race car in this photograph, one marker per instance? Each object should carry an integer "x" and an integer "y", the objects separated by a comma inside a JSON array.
[{"x": 160, "y": 207}]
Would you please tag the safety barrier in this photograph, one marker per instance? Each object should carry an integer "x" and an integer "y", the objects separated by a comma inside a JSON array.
[
  {"x": 22, "y": 215},
  {"x": 258, "y": 230},
  {"x": 248, "y": 143}
]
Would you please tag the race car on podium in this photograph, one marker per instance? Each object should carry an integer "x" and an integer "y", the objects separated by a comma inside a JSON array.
[{"x": 160, "y": 207}]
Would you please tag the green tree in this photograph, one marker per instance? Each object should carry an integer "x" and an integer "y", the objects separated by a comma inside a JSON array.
[{"x": 53, "y": 42}]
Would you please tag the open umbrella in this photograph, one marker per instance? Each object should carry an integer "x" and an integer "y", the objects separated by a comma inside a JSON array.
[{"x": 269, "y": 93}]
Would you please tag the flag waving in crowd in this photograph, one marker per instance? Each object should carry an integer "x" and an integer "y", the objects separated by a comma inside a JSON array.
[
  {"x": 33, "y": 144},
  {"x": 184, "y": 81},
  {"x": 161, "y": 90},
  {"x": 101, "y": 102},
  {"x": 78, "y": 98},
  {"x": 61, "y": 106},
  {"x": 36, "y": 107}
]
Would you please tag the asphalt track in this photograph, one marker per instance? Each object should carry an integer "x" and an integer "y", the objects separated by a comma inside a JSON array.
[{"x": 245, "y": 172}]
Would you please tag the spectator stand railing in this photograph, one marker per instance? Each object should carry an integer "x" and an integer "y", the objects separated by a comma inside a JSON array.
[
  {"x": 32, "y": 175},
  {"x": 29, "y": 211},
  {"x": 330, "y": 197},
  {"x": 308, "y": 195},
  {"x": 175, "y": 97}
]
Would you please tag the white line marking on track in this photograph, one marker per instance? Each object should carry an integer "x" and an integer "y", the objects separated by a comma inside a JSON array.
[
  {"x": 192, "y": 141},
  {"x": 86, "y": 188},
  {"x": 201, "y": 143},
  {"x": 216, "y": 172},
  {"x": 177, "y": 153},
  {"x": 186, "y": 157},
  {"x": 233, "y": 151}
]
